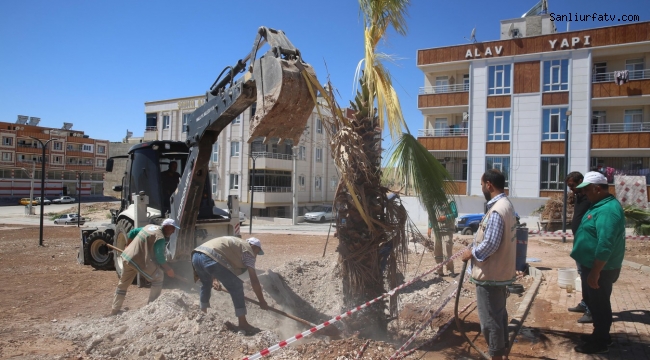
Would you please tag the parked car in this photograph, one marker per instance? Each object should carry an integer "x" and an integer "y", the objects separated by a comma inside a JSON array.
[
  {"x": 321, "y": 214},
  {"x": 468, "y": 224},
  {"x": 63, "y": 200},
  {"x": 25, "y": 201},
  {"x": 67, "y": 219},
  {"x": 45, "y": 201}
]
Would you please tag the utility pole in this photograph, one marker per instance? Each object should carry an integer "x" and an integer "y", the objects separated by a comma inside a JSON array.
[
  {"x": 294, "y": 188},
  {"x": 254, "y": 156},
  {"x": 79, "y": 201},
  {"x": 43, "y": 146},
  {"x": 566, "y": 171}
]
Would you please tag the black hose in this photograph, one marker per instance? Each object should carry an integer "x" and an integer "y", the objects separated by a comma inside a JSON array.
[{"x": 458, "y": 321}]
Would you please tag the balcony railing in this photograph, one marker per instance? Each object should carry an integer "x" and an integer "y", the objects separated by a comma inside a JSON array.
[
  {"x": 620, "y": 127},
  {"x": 151, "y": 128},
  {"x": 444, "y": 89},
  {"x": 611, "y": 76},
  {"x": 442, "y": 132},
  {"x": 272, "y": 189},
  {"x": 270, "y": 155}
]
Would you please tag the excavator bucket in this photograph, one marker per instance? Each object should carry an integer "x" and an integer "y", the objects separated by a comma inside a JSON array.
[{"x": 284, "y": 102}]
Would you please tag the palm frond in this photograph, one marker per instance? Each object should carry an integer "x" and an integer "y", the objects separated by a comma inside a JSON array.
[{"x": 411, "y": 162}]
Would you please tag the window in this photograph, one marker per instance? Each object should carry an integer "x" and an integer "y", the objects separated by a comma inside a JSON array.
[
  {"x": 317, "y": 183},
  {"x": 501, "y": 163},
  {"x": 100, "y": 163},
  {"x": 186, "y": 118},
  {"x": 70, "y": 147},
  {"x": 215, "y": 152},
  {"x": 7, "y": 141},
  {"x": 237, "y": 120},
  {"x": 598, "y": 121},
  {"x": 234, "y": 181},
  {"x": 319, "y": 155},
  {"x": 553, "y": 124},
  {"x": 7, "y": 156},
  {"x": 333, "y": 183},
  {"x": 101, "y": 149},
  {"x": 633, "y": 120},
  {"x": 214, "y": 179},
  {"x": 302, "y": 153},
  {"x": 498, "y": 126},
  {"x": 58, "y": 145},
  {"x": 466, "y": 82},
  {"x": 319, "y": 126},
  {"x": 165, "y": 121},
  {"x": 635, "y": 67},
  {"x": 440, "y": 127},
  {"x": 57, "y": 159},
  {"x": 600, "y": 72},
  {"x": 556, "y": 75},
  {"x": 442, "y": 84},
  {"x": 234, "y": 148},
  {"x": 552, "y": 173},
  {"x": 499, "y": 80},
  {"x": 301, "y": 182},
  {"x": 87, "y": 148}
]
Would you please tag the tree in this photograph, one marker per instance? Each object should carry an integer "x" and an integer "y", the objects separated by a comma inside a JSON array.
[{"x": 371, "y": 222}]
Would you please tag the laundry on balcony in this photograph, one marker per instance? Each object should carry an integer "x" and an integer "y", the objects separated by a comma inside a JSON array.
[{"x": 621, "y": 77}]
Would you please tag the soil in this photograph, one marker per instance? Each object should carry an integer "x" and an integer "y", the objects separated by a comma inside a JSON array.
[
  {"x": 90, "y": 212},
  {"x": 51, "y": 307}
]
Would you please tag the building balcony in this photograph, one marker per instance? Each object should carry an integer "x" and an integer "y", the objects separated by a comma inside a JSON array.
[
  {"x": 150, "y": 128},
  {"x": 451, "y": 131},
  {"x": 30, "y": 134},
  {"x": 443, "y": 99},
  {"x": 444, "y": 89},
  {"x": 636, "y": 87},
  {"x": 452, "y": 140},
  {"x": 78, "y": 167},
  {"x": 274, "y": 161},
  {"x": 272, "y": 195},
  {"x": 30, "y": 149},
  {"x": 611, "y": 76},
  {"x": 620, "y": 136}
]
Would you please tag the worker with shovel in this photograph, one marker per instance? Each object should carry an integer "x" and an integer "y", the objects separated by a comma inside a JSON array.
[
  {"x": 145, "y": 255},
  {"x": 220, "y": 261}
]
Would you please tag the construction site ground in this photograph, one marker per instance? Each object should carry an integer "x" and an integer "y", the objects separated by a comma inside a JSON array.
[{"x": 53, "y": 308}]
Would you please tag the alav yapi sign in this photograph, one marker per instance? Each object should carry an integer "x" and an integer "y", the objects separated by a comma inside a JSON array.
[{"x": 566, "y": 43}]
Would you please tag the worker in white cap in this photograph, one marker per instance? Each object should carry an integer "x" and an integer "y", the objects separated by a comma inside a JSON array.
[
  {"x": 219, "y": 262},
  {"x": 145, "y": 254}
]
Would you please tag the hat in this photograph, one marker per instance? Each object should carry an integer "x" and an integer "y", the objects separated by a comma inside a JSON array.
[
  {"x": 170, "y": 222},
  {"x": 256, "y": 242},
  {"x": 592, "y": 177}
]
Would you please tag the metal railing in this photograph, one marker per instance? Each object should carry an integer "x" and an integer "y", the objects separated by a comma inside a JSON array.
[
  {"x": 272, "y": 189},
  {"x": 442, "y": 132},
  {"x": 443, "y": 89},
  {"x": 611, "y": 76},
  {"x": 270, "y": 155},
  {"x": 620, "y": 127},
  {"x": 151, "y": 128}
]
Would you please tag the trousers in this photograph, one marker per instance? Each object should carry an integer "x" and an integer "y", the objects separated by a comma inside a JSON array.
[
  {"x": 128, "y": 274},
  {"x": 598, "y": 301},
  {"x": 207, "y": 269},
  {"x": 492, "y": 312},
  {"x": 444, "y": 244}
]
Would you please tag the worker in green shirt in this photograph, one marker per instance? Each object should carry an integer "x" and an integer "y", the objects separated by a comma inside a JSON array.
[
  {"x": 145, "y": 255},
  {"x": 599, "y": 247},
  {"x": 447, "y": 229}
]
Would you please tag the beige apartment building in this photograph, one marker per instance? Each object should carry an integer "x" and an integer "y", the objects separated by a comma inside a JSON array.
[
  {"x": 231, "y": 162},
  {"x": 69, "y": 154}
]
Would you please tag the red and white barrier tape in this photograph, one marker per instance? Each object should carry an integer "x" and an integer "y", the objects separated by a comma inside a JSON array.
[
  {"x": 437, "y": 335},
  {"x": 570, "y": 235},
  {"x": 425, "y": 324},
  {"x": 293, "y": 339}
]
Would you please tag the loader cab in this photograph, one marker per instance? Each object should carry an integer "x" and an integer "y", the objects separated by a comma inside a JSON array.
[{"x": 149, "y": 169}]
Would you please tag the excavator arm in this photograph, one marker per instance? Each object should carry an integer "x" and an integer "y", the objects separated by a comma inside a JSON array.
[{"x": 284, "y": 104}]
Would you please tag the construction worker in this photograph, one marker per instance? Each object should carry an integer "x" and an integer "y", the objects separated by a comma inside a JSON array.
[
  {"x": 447, "y": 230},
  {"x": 145, "y": 255},
  {"x": 219, "y": 262}
]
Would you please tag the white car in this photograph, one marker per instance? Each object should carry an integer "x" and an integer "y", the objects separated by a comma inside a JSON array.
[
  {"x": 321, "y": 214},
  {"x": 67, "y": 219},
  {"x": 63, "y": 200}
]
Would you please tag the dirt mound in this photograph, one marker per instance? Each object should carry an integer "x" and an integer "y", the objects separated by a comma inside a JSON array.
[{"x": 95, "y": 211}]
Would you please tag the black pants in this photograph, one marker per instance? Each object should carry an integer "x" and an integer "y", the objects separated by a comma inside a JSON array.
[{"x": 598, "y": 301}]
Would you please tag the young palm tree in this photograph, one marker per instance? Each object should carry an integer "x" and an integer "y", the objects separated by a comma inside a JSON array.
[{"x": 371, "y": 222}]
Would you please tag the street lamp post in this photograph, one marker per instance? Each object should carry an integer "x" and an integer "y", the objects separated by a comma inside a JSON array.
[
  {"x": 79, "y": 201},
  {"x": 254, "y": 157},
  {"x": 43, "y": 146},
  {"x": 566, "y": 171},
  {"x": 31, "y": 188}
]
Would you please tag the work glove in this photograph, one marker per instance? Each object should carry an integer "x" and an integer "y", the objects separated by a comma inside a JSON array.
[{"x": 171, "y": 273}]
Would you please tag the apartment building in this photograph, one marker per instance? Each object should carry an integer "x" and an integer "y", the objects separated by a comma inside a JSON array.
[
  {"x": 231, "y": 163},
  {"x": 506, "y": 104},
  {"x": 69, "y": 154}
]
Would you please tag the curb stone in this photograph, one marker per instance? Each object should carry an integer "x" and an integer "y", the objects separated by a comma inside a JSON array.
[{"x": 517, "y": 321}]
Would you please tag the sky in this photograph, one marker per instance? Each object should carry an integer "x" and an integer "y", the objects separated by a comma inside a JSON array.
[{"x": 95, "y": 63}]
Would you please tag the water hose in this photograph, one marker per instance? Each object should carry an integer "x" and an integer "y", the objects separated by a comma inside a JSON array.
[{"x": 458, "y": 321}]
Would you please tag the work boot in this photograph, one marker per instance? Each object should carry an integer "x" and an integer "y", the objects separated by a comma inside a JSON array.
[
  {"x": 586, "y": 319},
  {"x": 592, "y": 348},
  {"x": 579, "y": 308},
  {"x": 587, "y": 338}
]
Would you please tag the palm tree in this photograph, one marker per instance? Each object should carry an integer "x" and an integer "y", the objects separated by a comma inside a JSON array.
[{"x": 371, "y": 222}]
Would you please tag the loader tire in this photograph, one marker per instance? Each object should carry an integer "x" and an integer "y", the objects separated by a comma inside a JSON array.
[
  {"x": 119, "y": 241},
  {"x": 101, "y": 257}
]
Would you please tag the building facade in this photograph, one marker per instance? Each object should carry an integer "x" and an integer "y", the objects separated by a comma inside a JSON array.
[
  {"x": 69, "y": 154},
  {"x": 231, "y": 162},
  {"x": 506, "y": 104}
]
